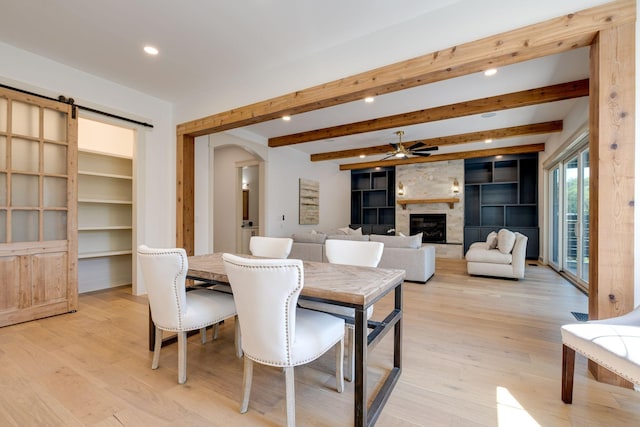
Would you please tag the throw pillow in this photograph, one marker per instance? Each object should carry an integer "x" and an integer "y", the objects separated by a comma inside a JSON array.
[
  {"x": 492, "y": 240},
  {"x": 506, "y": 240},
  {"x": 356, "y": 232},
  {"x": 344, "y": 230}
]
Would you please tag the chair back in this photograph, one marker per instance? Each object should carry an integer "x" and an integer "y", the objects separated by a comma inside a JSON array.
[
  {"x": 352, "y": 252},
  {"x": 164, "y": 272},
  {"x": 266, "y": 292},
  {"x": 270, "y": 247}
]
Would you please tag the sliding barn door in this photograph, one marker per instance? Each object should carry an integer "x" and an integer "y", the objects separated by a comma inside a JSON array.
[{"x": 38, "y": 230}]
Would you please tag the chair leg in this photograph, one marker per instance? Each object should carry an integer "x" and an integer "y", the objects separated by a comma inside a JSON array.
[
  {"x": 203, "y": 335},
  {"x": 238, "y": 338},
  {"x": 290, "y": 395},
  {"x": 568, "y": 365},
  {"x": 247, "y": 377},
  {"x": 156, "y": 349},
  {"x": 216, "y": 330},
  {"x": 350, "y": 351},
  {"x": 182, "y": 357},
  {"x": 339, "y": 347}
]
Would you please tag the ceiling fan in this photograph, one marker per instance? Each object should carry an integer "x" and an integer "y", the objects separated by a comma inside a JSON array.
[{"x": 418, "y": 148}]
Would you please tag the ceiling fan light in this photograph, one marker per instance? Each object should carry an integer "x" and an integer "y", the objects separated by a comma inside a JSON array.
[{"x": 399, "y": 154}]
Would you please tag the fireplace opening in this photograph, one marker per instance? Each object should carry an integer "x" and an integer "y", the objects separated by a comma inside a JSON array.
[{"x": 432, "y": 226}]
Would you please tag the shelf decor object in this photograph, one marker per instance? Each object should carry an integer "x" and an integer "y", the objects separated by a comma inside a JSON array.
[{"x": 309, "y": 211}]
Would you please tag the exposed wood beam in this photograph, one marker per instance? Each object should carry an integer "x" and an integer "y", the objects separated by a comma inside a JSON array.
[
  {"x": 523, "y": 98},
  {"x": 556, "y": 35},
  {"x": 463, "y": 138},
  {"x": 519, "y": 149}
]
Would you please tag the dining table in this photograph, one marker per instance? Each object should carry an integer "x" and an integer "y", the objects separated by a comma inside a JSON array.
[{"x": 349, "y": 286}]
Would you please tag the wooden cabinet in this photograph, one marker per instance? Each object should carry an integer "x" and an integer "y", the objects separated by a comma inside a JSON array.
[
  {"x": 502, "y": 193},
  {"x": 105, "y": 212},
  {"x": 373, "y": 200}
]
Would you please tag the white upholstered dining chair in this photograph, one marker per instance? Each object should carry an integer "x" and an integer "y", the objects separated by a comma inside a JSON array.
[
  {"x": 174, "y": 309},
  {"x": 612, "y": 343},
  {"x": 349, "y": 252},
  {"x": 270, "y": 247},
  {"x": 274, "y": 331}
]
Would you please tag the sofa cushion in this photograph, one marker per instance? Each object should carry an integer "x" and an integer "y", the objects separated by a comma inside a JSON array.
[
  {"x": 492, "y": 256},
  {"x": 492, "y": 240},
  {"x": 506, "y": 240},
  {"x": 309, "y": 238},
  {"x": 413, "y": 242},
  {"x": 357, "y": 237},
  {"x": 350, "y": 231}
]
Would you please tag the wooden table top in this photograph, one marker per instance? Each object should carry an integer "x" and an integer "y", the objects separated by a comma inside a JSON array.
[{"x": 339, "y": 283}]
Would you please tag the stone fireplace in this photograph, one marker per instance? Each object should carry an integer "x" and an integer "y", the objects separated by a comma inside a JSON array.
[
  {"x": 432, "y": 226},
  {"x": 428, "y": 181}
]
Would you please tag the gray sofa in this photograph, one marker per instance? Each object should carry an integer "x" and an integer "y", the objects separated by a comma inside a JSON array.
[{"x": 405, "y": 253}]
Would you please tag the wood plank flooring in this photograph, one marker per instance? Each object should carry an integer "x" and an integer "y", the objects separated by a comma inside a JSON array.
[{"x": 477, "y": 352}]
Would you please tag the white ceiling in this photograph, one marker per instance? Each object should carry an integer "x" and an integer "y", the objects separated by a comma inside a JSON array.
[{"x": 204, "y": 43}]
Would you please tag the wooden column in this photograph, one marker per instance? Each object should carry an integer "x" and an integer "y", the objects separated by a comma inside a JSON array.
[
  {"x": 611, "y": 184},
  {"x": 185, "y": 183}
]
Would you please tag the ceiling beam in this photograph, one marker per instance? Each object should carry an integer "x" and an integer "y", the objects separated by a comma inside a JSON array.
[
  {"x": 556, "y": 35},
  {"x": 463, "y": 138},
  {"x": 519, "y": 149},
  {"x": 523, "y": 98}
]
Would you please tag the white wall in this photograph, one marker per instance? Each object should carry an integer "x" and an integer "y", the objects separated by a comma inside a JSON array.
[
  {"x": 286, "y": 167},
  {"x": 155, "y": 149}
]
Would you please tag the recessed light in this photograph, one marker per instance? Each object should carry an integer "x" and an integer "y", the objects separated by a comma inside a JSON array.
[
  {"x": 499, "y": 156},
  {"x": 286, "y": 118},
  {"x": 487, "y": 115},
  {"x": 488, "y": 141},
  {"x": 362, "y": 156},
  {"x": 369, "y": 99},
  {"x": 151, "y": 50},
  {"x": 490, "y": 72}
]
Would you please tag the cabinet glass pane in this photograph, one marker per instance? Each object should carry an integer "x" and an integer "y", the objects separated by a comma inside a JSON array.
[
  {"x": 3, "y": 189},
  {"x": 3, "y": 152},
  {"x": 55, "y": 158},
  {"x": 3, "y": 114},
  {"x": 55, "y": 125},
  {"x": 25, "y": 119},
  {"x": 55, "y": 192},
  {"x": 25, "y": 155},
  {"x": 24, "y": 226},
  {"x": 3, "y": 226},
  {"x": 24, "y": 190},
  {"x": 55, "y": 225}
]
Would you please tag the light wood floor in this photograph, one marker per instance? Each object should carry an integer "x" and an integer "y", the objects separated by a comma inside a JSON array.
[{"x": 477, "y": 352}]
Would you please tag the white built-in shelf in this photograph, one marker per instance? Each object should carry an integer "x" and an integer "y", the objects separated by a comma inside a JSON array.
[
  {"x": 102, "y": 228},
  {"x": 105, "y": 175},
  {"x": 117, "y": 202},
  {"x": 103, "y": 254}
]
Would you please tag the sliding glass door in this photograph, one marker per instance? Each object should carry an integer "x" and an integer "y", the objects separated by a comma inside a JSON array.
[{"x": 569, "y": 216}]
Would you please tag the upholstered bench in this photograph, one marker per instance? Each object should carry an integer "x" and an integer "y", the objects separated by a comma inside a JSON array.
[{"x": 612, "y": 343}]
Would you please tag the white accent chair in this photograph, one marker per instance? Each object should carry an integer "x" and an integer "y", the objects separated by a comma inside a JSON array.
[
  {"x": 611, "y": 343},
  {"x": 172, "y": 307},
  {"x": 274, "y": 331},
  {"x": 349, "y": 252}
]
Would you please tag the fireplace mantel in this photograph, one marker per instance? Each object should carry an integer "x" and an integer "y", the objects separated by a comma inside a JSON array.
[{"x": 450, "y": 201}]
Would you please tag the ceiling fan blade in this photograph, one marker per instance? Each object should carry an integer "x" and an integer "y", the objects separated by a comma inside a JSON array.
[
  {"x": 394, "y": 145},
  {"x": 417, "y": 153},
  {"x": 416, "y": 145},
  {"x": 426, "y": 149}
]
